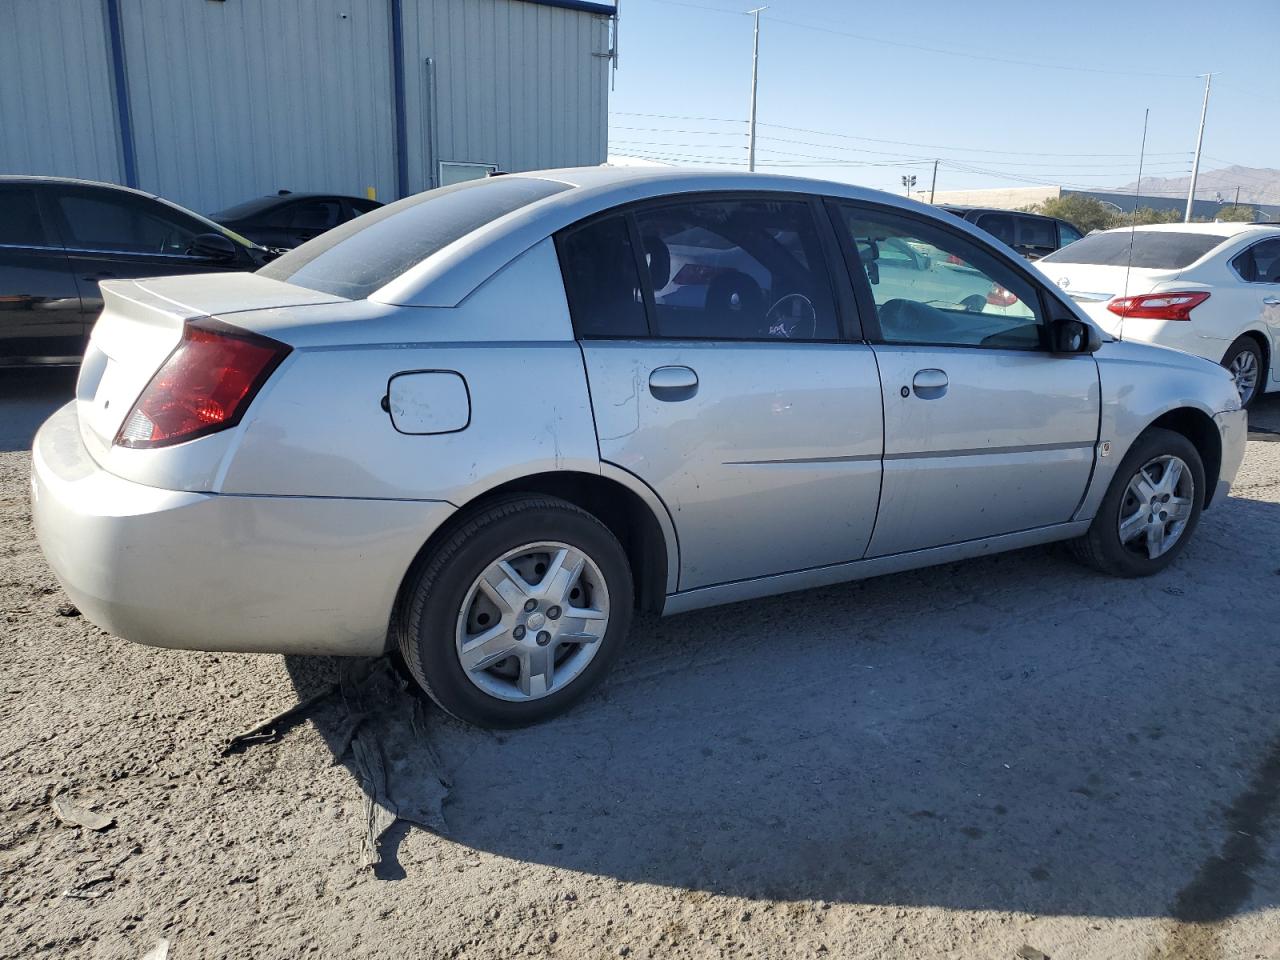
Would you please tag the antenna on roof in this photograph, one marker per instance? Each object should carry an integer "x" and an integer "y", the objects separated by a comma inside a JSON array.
[{"x": 1133, "y": 216}]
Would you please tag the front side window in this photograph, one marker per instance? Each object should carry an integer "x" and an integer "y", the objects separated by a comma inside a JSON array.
[
  {"x": 951, "y": 292},
  {"x": 316, "y": 214},
  {"x": 1036, "y": 235},
  {"x": 124, "y": 223},
  {"x": 737, "y": 270},
  {"x": 1067, "y": 234},
  {"x": 601, "y": 280},
  {"x": 1260, "y": 263}
]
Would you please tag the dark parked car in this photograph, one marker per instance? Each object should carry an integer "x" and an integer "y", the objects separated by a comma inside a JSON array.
[
  {"x": 1032, "y": 234},
  {"x": 59, "y": 237},
  {"x": 289, "y": 219}
]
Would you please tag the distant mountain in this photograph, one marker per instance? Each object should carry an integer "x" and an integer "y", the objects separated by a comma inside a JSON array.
[{"x": 1256, "y": 184}]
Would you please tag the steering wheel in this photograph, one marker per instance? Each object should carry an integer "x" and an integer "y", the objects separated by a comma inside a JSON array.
[{"x": 792, "y": 317}]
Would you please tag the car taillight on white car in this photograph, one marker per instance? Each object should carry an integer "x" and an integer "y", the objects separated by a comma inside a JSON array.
[
  {"x": 204, "y": 386},
  {"x": 1158, "y": 306}
]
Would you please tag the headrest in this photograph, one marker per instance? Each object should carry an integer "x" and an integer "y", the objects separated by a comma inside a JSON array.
[{"x": 658, "y": 257}]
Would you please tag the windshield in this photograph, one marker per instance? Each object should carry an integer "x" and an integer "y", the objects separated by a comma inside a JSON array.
[
  {"x": 1152, "y": 249},
  {"x": 356, "y": 258},
  {"x": 214, "y": 227}
]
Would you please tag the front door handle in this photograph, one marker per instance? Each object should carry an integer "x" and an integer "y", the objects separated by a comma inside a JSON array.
[
  {"x": 673, "y": 383},
  {"x": 1271, "y": 301},
  {"x": 930, "y": 384}
]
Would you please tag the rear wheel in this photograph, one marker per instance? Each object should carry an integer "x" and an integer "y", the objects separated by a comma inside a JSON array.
[
  {"x": 1150, "y": 510},
  {"x": 519, "y": 613},
  {"x": 1245, "y": 364}
]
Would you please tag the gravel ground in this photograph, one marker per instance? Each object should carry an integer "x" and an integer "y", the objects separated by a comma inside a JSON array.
[{"x": 952, "y": 763}]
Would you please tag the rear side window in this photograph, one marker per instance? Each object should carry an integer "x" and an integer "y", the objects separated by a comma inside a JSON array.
[
  {"x": 1152, "y": 249},
  {"x": 737, "y": 270},
  {"x": 999, "y": 225},
  {"x": 21, "y": 224},
  {"x": 1036, "y": 234},
  {"x": 1260, "y": 263},
  {"x": 356, "y": 258},
  {"x": 602, "y": 280}
]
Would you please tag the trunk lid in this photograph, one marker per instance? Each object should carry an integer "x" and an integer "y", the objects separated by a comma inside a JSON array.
[
  {"x": 141, "y": 323},
  {"x": 1093, "y": 286}
]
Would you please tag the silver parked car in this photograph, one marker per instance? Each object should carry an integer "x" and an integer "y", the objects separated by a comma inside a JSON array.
[{"x": 487, "y": 422}]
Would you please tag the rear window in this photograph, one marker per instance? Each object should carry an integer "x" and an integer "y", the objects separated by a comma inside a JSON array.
[
  {"x": 1152, "y": 249},
  {"x": 356, "y": 258}
]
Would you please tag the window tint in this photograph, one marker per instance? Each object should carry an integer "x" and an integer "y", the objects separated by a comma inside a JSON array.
[
  {"x": 355, "y": 259},
  {"x": 123, "y": 222},
  {"x": 999, "y": 225},
  {"x": 1260, "y": 263},
  {"x": 316, "y": 214},
  {"x": 247, "y": 209},
  {"x": 359, "y": 206},
  {"x": 601, "y": 280},
  {"x": 1037, "y": 234},
  {"x": 737, "y": 270},
  {"x": 1067, "y": 234},
  {"x": 952, "y": 291},
  {"x": 1152, "y": 249},
  {"x": 21, "y": 224}
]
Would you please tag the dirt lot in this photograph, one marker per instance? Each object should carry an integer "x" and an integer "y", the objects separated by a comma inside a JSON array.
[{"x": 953, "y": 763}]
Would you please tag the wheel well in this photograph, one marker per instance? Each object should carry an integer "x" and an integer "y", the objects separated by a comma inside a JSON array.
[
  {"x": 622, "y": 511},
  {"x": 1200, "y": 429},
  {"x": 1265, "y": 347}
]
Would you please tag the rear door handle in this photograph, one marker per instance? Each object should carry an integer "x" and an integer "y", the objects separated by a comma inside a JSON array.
[
  {"x": 673, "y": 383},
  {"x": 930, "y": 384},
  {"x": 1271, "y": 301}
]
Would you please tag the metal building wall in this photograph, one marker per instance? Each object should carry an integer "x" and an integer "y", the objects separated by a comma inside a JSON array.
[
  {"x": 57, "y": 112},
  {"x": 519, "y": 85},
  {"x": 237, "y": 99}
]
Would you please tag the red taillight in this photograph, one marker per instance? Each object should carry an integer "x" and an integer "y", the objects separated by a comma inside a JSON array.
[
  {"x": 998, "y": 296},
  {"x": 204, "y": 386},
  {"x": 953, "y": 259},
  {"x": 1158, "y": 306}
]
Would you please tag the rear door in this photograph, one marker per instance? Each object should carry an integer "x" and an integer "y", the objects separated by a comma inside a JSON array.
[
  {"x": 118, "y": 235},
  {"x": 39, "y": 305},
  {"x": 986, "y": 432},
  {"x": 1259, "y": 267},
  {"x": 721, "y": 375}
]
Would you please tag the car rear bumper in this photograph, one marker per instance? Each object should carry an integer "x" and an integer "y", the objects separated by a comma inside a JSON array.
[{"x": 214, "y": 572}]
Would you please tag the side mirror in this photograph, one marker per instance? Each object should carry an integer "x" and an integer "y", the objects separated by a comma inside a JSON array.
[
  {"x": 1069, "y": 335},
  {"x": 214, "y": 246}
]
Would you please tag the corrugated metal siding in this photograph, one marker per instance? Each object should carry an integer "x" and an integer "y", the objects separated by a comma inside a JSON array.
[
  {"x": 57, "y": 112},
  {"x": 517, "y": 84},
  {"x": 235, "y": 100}
]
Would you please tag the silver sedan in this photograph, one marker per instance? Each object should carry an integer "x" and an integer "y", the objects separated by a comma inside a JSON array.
[{"x": 486, "y": 423}]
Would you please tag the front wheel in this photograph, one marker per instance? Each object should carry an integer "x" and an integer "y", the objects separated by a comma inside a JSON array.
[
  {"x": 518, "y": 613},
  {"x": 1150, "y": 510},
  {"x": 1244, "y": 362}
]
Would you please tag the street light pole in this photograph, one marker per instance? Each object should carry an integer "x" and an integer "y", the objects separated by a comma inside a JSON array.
[
  {"x": 755, "y": 70},
  {"x": 1195, "y": 164},
  {"x": 908, "y": 181}
]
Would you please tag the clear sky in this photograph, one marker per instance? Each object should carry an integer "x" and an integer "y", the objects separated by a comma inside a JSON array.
[{"x": 835, "y": 70}]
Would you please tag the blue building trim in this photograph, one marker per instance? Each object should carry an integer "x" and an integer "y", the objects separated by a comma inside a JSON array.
[
  {"x": 397, "y": 86},
  {"x": 582, "y": 6},
  {"x": 124, "y": 117}
]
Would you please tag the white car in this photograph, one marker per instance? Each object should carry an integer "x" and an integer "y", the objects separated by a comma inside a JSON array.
[{"x": 1210, "y": 289}]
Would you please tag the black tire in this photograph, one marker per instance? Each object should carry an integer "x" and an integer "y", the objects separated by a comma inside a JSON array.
[
  {"x": 1249, "y": 345},
  {"x": 433, "y": 602},
  {"x": 1101, "y": 548}
]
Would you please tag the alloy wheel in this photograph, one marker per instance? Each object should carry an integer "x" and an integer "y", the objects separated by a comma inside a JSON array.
[{"x": 1244, "y": 371}]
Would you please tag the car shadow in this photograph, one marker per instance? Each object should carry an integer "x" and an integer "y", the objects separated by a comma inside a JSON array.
[
  {"x": 1011, "y": 733},
  {"x": 27, "y": 398}
]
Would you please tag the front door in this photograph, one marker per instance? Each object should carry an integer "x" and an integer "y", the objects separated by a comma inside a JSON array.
[
  {"x": 39, "y": 306},
  {"x": 986, "y": 432},
  {"x": 719, "y": 376}
]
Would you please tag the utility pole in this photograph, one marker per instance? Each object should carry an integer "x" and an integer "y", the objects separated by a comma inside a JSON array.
[
  {"x": 1237, "y": 203},
  {"x": 1195, "y": 164},
  {"x": 755, "y": 71},
  {"x": 934, "y": 185}
]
